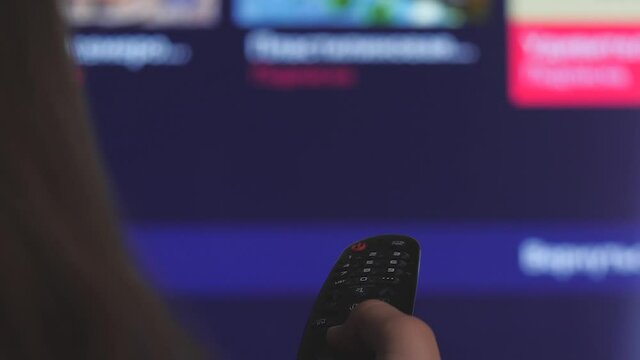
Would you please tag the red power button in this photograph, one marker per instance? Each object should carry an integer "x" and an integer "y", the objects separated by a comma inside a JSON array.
[{"x": 359, "y": 247}]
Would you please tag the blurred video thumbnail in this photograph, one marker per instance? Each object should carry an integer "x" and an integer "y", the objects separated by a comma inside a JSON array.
[
  {"x": 360, "y": 13},
  {"x": 145, "y": 13}
]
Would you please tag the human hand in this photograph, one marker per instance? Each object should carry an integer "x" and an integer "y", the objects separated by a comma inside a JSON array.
[{"x": 375, "y": 327}]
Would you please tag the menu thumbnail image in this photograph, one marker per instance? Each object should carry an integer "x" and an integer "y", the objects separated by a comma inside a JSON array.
[
  {"x": 574, "y": 53},
  {"x": 147, "y": 13},
  {"x": 360, "y": 13}
]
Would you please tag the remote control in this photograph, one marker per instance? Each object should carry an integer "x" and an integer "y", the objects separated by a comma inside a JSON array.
[{"x": 382, "y": 267}]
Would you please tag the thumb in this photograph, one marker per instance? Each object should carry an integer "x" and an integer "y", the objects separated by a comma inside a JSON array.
[
  {"x": 346, "y": 340},
  {"x": 337, "y": 337},
  {"x": 343, "y": 338},
  {"x": 377, "y": 327}
]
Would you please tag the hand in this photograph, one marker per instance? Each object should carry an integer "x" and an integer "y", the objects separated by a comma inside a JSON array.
[{"x": 375, "y": 326}]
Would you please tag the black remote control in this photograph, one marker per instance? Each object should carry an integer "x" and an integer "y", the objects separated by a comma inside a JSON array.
[{"x": 382, "y": 267}]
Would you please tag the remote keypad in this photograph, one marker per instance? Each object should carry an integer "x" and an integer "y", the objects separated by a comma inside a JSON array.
[{"x": 383, "y": 267}]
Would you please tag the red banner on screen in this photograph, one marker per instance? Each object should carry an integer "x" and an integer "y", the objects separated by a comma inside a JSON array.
[{"x": 574, "y": 66}]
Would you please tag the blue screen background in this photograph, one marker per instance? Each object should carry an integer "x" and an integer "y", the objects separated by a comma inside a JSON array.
[{"x": 236, "y": 199}]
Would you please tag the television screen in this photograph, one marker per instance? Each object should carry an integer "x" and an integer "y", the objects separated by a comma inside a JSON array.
[{"x": 250, "y": 141}]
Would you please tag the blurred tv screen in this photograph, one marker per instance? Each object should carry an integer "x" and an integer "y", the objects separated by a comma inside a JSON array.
[{"x": 250, "y": 141}]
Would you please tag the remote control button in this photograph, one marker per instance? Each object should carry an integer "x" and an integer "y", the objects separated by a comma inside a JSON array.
[
  {"x": 318, "y": 323},
  {"x": 352, "y": 306},
  {"x": 321, "y": 323},
  {"x": 340, "y": 282},
  {"x": 361, "y": 291},
  {"x": 361, "y": 246},
  {"x": 396, "y": 262},
  {"x": 394, "y": 271},
  {"x": 351, "y": 266},
  {"x": 370, "y": 271},
  {"x": 369, "y": 262},
  {"x": 353, "y": 258},
  {"x": 341, "y": 274},
  {"x": 398, "y": 243},
  {"x": 400, "y": 255},
  {"x": 389, "y": 279},
  {"x": 366, "y": 280}
]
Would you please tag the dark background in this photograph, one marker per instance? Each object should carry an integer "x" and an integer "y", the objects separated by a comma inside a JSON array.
[
  {"x": 423, "y": 142},
  {"x": 200, "y": 144}
]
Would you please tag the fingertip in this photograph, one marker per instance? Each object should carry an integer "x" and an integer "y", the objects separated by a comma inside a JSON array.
[
  {"x": 376, "y": 306},
  {"x": 334, "y": 333},
  {"x": 372, "y": 313},
  {"x": 336, "y": 337}
]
